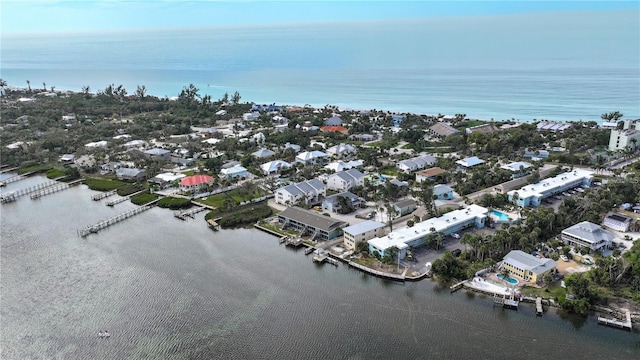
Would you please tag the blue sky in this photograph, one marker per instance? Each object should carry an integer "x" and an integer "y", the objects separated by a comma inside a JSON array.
[{"x": 52, "y": 16}]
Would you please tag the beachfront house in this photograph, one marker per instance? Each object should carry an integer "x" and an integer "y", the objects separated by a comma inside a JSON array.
[
  {"x": 318, "y": 227},
  {"x": 407, "y": 238},
  {"x": 310, "y": 191},
  {"x": 361, "y": 232},
  {"x": 587, "y": 235},
  {"x": 628, "y": 136},
  {"x": 416, "y": 163},
  {"x": 345, "y": 180},
  {"x": 532, "y": 195},
  {"x": 526, "y": 266}
]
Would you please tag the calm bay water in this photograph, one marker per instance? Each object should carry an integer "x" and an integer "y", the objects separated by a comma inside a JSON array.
[
  {"x": 564, "y": 66},
  {"x": 170, "y": 289}
]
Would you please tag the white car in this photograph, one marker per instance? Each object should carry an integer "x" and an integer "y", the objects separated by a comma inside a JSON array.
[
  {"x": 455, "y": 236},
  {"x": 564, "y": 258}
]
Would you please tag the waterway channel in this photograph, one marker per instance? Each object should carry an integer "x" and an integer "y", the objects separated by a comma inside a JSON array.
[{"x": 166, "y": 288}]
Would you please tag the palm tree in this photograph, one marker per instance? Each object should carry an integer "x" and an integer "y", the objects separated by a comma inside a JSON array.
[
  {"x": 29, "y": 85},
  {"x": 3, "y": 83},
  {"x": 44, "y": 86},
  {"x": 141, "y": 91}
]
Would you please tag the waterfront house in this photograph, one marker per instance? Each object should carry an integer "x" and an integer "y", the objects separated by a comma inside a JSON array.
[
  {"x": 551, "y": 126},
  {"x": 407, "y": 238},
  {"x": 443, "y": 192},
  {"x": 131, "y": 174},
  {"x": 429, "y": 174},
  {"x": 532, "y": 195},
  {"x": 363, "y": 231},
  {"x": 110, "y": 167},
  {"x": 404, "y": 207},
  {"x": 67, "y": 158},
  {"x": 468, "y": 163},
  {"x": 518, "y": 169},
  {"x": 345, "y": 180},
  {"x": 310, "y": 191},
  {"x": 166, "y": 179},
  {"x": 341, "y": 150},
  {"x": 443, "y": 129},
  {"x": 274, "y": 167},
  {"x": 484, "y": 128},
  {"x": 587, "y": 235},
  {"x": 234, "y": 172},
  {"x": 526, "y": 266},
  {"x": 332, "y": 203},
  {"x": 416, "y": 163},
  {"x": 195, "y": 183},
  {"x": 158, "y": 154},
  {"x": 318, "y": 227}
]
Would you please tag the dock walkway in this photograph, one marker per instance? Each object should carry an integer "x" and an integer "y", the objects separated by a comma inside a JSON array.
[
  {"x": 626, "y": 324},
  {"x": 30, "y": 190},
  {"x": 16, "y": 178},
  {"x": 54, "y": 189},
  {"x": 92, "y": 229},
  {"x": 125, "y": 198},
  {"x": 539, "y": 306},
  {"x": 189, "y": 213},
  {"x": 102, "y": 195}
]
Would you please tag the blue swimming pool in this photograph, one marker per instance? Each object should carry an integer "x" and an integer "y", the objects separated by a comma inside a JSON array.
[
  {"x": 510, "y": 280},
  {"x": 500, "y": 215}
]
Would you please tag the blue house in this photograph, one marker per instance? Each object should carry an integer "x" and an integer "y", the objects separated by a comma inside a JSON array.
[{"x": 443, "y": 192}]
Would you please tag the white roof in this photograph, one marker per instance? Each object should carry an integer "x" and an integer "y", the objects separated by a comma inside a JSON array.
[
  {"x": 363, "y": 227},
  {"x": 233, "y": 170},
  {"x": 97, "y": 144},
  {"x": 515, "y": 166},
  {"x": 170, "y": 177},
  {"x": 558, "y": 181},
  {"x": 401, "y": 236},
  {"x": 274, "y": 165},
  {"x": 341, "y": 165}
]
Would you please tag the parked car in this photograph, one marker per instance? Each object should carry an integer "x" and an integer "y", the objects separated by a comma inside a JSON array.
[
  {"x": 564, "y": 258},
  {"x": 455, "y": 236}
]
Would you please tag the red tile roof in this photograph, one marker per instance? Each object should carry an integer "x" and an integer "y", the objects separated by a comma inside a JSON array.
[
  {"x": 334, "y": 129},
  {"x": 196, "y": 180}
]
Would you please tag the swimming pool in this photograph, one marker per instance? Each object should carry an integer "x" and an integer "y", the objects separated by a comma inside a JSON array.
[
  {"x": 502, "y": 217},
  {"x": 510, "y": 280}
]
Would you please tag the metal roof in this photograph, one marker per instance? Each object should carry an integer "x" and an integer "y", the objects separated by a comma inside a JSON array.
[
  {"x": 363, "y": 227},
  {"x": 321, "y": 222},
  {"x": 524, "y": 261}
]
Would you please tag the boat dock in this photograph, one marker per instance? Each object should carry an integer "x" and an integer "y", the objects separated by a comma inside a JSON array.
[
  {"x": 54, "y": 189},
  {"x": 322, "y": 258},
  {"x": 293, "y": 241},
  {"x": 8, "y": 197},
  {"x": 125, "y": 198},
  {"x": 505, "y": 302},
  {"x": 309, "y": 250},
  {"x": 539, "y": 306},
  {"x": 189, "y": 213},
  {"x": 214, "y": 224},
  {"x": 458, "y": 286},
  {"x": 16, "y": 178},
  {"x": 6, "y": 170},
  {"x": 14, "y": 195},
  {"x": 92, "y": 229},
  {"x": 102, "y": 195},
  {"x": 627, "y": 325}
]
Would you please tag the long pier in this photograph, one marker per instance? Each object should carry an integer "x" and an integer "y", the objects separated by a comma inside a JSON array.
[
  {"x": 4, "y": 170},
  {"x": 16, "y": 178},
  {"x": 627, "y": 325},
  {"x": 54, "y": 189},
  {"x": 32, "y": 189},
  {"x": 92, "y": 229},
  {"x": 183, "y": 215},
  {"x": 124, "y": 198},
  {"x": 102, "y": 195}
]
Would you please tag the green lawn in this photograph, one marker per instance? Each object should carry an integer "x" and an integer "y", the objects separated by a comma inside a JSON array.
[
  {"x": 103, "y": 184},
  {"x": 554, "y": 291},
  {"x": 389, "y": 170}
]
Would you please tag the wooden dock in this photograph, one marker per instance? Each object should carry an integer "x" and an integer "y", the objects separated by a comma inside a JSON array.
[
  {"x": 54, "y": 189},
  {"x": 103, "y": 195},
  {"x": 189, "y": 213},
  {"x": 124, "y": 198},
  {"x": 539, "y": 309},
  {"x": 213, "y": 224},
  {"x": 293, "y": 241},
  {"x": 92, "y": 229},
  {"x": 31, "y": 189},
  {"x": 7, "y": 197},
  {"x": 309, "y": 250},
  {"x": 16, "y": 178},
  {"x": 627, "y": 325},
  {"x": 6, "y": 170}
]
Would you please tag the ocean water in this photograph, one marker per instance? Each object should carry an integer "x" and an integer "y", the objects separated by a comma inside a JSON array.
[
  {"x": 171, "y": 289},
  {"x": 557, "y": 66}
]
